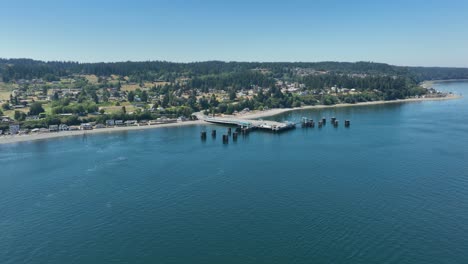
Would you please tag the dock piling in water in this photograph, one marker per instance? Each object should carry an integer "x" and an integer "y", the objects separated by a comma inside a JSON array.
[
  {"x": 307, "y": 122},
  {"x": 225, "y": 139},
  {"x": 234, "y": 136},
  {"x": 324, "y": 121},
  {"x": 213, "y": 133},
  {"x": 203, "y": 135},
  {"x": 347, "y": 123}
]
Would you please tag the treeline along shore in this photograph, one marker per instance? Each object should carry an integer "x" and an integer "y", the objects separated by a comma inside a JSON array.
[{"x": 50, "y": 96}]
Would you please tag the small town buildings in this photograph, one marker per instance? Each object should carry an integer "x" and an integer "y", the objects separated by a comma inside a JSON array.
[
  {"x": 74, "y": 128},
  {"x": 119, "y": 122},
  {"x": 99, "y": 126}
]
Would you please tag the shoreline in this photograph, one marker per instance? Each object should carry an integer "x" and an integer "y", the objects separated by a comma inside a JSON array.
[
  {"x": 277, "y": 111},
  {"x": 251, "y": 115},
  {"x": 43, "y": 136},
  {"x": 429, "y": 83}
]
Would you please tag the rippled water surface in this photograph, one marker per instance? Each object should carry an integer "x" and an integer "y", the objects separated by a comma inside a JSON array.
[{"x": 392, "y": 188}]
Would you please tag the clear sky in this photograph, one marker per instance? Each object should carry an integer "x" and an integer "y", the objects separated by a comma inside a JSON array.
[{"x": 427, "y": 33}]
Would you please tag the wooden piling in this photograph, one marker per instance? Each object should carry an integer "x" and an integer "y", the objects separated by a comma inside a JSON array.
[
  {"x": 347, "y": 123},
  {"x": 213, "y": 133},
  {"x": 203, "y": 135}
]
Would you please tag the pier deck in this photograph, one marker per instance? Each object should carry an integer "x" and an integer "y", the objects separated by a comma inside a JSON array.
[{"x": 250, "y": 124}]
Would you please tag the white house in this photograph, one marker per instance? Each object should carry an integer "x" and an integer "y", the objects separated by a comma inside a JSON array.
[{"x": 86, "y": 126}]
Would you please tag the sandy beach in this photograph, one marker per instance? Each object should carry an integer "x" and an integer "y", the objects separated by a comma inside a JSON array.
[
  {"x": 277, "y": 111},
  {"x": 250, "y": 115}
]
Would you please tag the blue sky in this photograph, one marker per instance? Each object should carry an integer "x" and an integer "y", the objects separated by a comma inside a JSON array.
[{"x": 427, "y": 33}]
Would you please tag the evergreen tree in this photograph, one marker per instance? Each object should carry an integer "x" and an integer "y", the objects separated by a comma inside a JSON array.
[{"x": 36, "y": 109}]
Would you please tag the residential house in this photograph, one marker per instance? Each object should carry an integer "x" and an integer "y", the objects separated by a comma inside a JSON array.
[
  {"x": 86, "y": 126},
  {"x": 34, "y": 117},
  {"x": 14, "y": 129},
  {"x": 64, "y": 127},
  {"x": 181, "y": 119},
  {"x": 110, "y": 122},
  {"x": 143, "y": 123},
  {"x": 53, "y": 128},
  {"x": 5, "y": 119},
  {"x": 131, "y": 122}
]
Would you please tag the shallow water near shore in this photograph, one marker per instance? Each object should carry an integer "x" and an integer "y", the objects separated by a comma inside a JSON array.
[{"x": 392, "y": 188}]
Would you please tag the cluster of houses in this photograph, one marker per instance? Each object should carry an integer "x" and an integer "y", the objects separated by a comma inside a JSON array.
[{"x": 15, "y": 128}]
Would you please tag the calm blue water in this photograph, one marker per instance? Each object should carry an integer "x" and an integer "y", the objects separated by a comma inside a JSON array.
[{"x": 393, "y": 188}]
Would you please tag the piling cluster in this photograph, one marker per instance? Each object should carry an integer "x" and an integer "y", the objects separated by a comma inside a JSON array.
[
  {"x": 244, "y": 130},
  {"x": 335, "y": 122},
  {"x": 225, "y": 138},
  {"x": 307, "y": 122}
]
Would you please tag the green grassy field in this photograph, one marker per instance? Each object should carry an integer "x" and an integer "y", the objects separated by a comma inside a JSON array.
[{"x": 5, "y": 90}]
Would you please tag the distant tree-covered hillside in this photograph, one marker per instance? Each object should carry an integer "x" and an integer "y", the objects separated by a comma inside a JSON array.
[{"x": 15, "y": 69}]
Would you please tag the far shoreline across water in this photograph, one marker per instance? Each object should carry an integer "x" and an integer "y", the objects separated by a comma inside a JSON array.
[{"x": 251, "y": 115}]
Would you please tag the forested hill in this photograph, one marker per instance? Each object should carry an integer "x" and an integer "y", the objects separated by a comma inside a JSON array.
[{"x": 15, "y": 69}]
